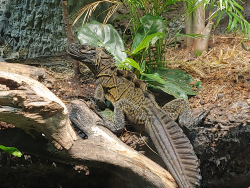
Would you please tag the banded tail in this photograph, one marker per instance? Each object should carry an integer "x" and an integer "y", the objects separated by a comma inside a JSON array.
[{"x": 175, "y": 149}]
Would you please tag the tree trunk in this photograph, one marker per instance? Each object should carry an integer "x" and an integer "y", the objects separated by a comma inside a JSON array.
[
  {"x": 189, "y": 26},
  {"x": 195, "y": 23},
  {"x": 201, "y": 44}
]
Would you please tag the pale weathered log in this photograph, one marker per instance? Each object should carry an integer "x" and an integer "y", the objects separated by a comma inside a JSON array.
[
  {"x": 36, "y": 73},
  {"x": 30, "y": 106},
  {"x": 104, "y": 147}
]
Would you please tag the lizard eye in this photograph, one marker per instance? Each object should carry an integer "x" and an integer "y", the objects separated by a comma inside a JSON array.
[{"x": 84, "y": 49}]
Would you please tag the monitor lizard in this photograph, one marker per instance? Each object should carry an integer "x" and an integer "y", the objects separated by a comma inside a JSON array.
[{"x": 132, "y": 100}]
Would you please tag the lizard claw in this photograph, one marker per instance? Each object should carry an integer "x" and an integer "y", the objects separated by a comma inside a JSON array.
[{"x": 198, "y": 119}]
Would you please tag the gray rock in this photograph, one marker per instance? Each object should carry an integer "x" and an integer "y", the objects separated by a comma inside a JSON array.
[{"x": 37, "y": 27}]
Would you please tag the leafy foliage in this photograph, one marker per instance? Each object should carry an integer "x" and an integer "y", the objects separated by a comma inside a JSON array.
[
  {"x": 150, "y": 25},
  {"x": 90, "y": 8},
  {"x": 95, "y": 34},
  {"x": 234, "y": 10},
  {"x": 131, "y": 62},
  {"x": 12, "y": 150},
  {"x": 139, "y": 8},
  {"x": 176, "y": 83},
  {"x": 145, "y": 43},
  {"x": 150, "y": 30}
]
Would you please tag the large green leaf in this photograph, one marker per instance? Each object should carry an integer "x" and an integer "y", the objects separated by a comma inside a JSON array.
[
  {"x": 151, "y": 39},
  {"x": 155, "y": 77},
  {"x": 11, "y": 150},
  {"x": 177, "y": 83},
  {"x": 150, "y": 25},
  {"x": 131, "y": 62},
  {"x": 95, "y": 34}
]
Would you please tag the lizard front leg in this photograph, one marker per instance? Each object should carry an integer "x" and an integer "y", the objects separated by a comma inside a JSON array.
[
  {"x": 178, "y": 109},
  {"x": 124, "y": 108},
  {"x": 99, "y": 97}
]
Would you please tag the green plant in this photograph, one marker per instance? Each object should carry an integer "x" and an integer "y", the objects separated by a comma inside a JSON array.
[
  {"x": 93, "y": 34},
  {"x": 140, "y": 8},
  {"x": 152, "y": 31},
  {"x": 90, "y": 8},
  {"x": 236, "y": 19},
  {"x": 12, "y": 150},
  {"x": 176, "y": 83},
  {"x": 195, "y": 22},
  {"x": 148, "y": 47}
]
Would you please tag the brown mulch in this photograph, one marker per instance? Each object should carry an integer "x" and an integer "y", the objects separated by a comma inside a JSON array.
[{"x": 224, "y": 71}]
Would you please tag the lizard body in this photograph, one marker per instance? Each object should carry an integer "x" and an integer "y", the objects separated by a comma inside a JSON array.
[{"x": 132, "y": 100}]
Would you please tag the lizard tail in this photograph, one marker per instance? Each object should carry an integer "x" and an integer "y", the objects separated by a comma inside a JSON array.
[{"x": 175, "y": 149}]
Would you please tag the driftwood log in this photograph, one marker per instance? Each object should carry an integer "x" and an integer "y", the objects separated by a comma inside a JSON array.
[
  {"x": 42, "y": 127},
  {"x": 38, "y": 74}
]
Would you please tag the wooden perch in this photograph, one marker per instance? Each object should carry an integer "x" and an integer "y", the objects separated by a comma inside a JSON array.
[
  {"x": 38, "y": 74},
  {"x": 104, "y": 147},
  {"x": 31, "y": 106},
  {"x": 42, "y": 127}
]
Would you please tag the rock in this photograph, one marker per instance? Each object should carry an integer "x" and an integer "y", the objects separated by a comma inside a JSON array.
[
  {"x": 37, "y": 28},
  {"x": 40, "y": 27}
]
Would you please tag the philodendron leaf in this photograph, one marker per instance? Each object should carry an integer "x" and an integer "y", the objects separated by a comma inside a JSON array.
[
  {"x": 95, "y": 34},
  {"x": 176, "y": 83},
  {"x": 155, "y": 77},
  {"x": 131, "y": 62},
  {"x": 151, "y": 39},
  {"x": 150, "y": 25},
  {"x": 11, "y": 150}
]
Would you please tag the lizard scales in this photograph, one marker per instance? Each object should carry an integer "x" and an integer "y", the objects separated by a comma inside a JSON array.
[{"x": 132, "y": 101}]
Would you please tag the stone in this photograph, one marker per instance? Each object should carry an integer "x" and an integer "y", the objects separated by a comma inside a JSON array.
[{"x": 37, "y": 26}]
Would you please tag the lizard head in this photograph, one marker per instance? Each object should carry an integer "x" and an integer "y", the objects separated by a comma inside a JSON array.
[{"x": 85, "y": 54}]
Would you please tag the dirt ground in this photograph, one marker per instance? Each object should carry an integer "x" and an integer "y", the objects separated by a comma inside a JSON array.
[{"x": 225, "y": 74}]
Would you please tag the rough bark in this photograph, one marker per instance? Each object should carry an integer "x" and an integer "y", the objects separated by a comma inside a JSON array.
[
  {"x": 195, "y": 23},
  {"x": 31, "y": 106},
  {"x": 201, "y": 44},
  {"x": 42, "y": 127},
  {"x": 38, "y": 74},
  {"x": 188, "y": 26},
  {"x": 222, "y": 144}
]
